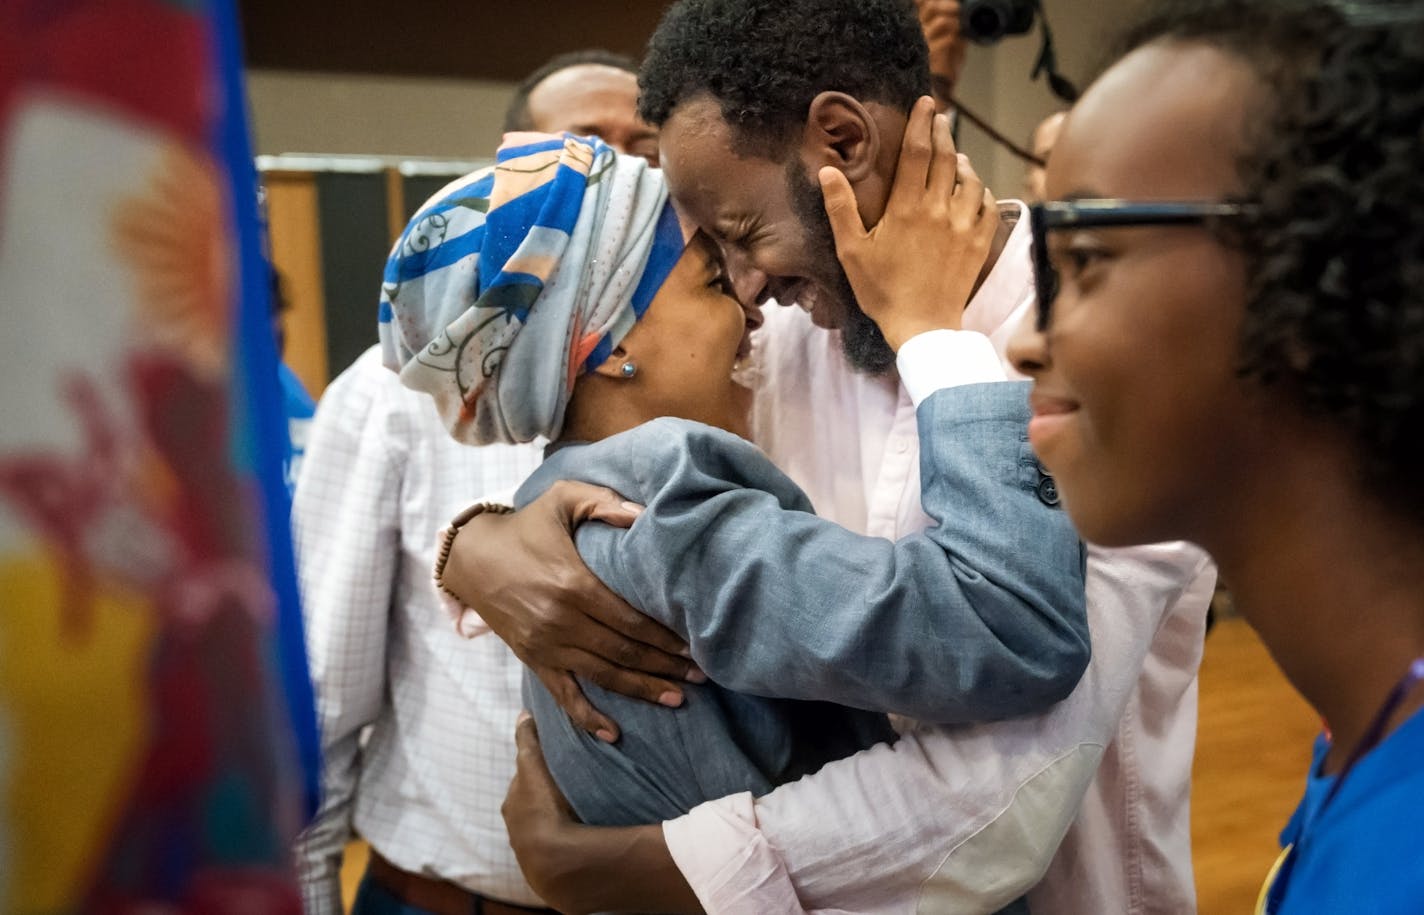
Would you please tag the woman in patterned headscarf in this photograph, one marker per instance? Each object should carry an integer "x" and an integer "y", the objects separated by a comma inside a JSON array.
[{"x": 557, "y": 295}]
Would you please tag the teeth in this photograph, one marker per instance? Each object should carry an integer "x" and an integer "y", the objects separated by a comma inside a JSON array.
[{"x": 746, "y": 371}]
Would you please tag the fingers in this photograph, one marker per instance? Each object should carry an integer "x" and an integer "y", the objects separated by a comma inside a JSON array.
[
  {"x": 967, "y": 204},
  {"x": 916, "y": 152},
  {"x": 621, "y": 515},
  {"x": 667, "y": 652},
  {"x": 939, "y": 19},
  {"x": 841, "y": 208},
  {"x": 639, "y": 686},
  {"x": 531, "y": 769},
  {"x": 990, "y": 224},
  {"x": 623, "y": 681},
  {"x": 615, "y": 648},
  {"x": 566, "y": 692},
  {"x": 526, "y": 737},
  {"x": 943, "y": 175},
  {"x": 578, "y": 502}
]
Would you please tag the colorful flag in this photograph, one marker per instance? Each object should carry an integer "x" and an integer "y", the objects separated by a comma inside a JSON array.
[{"x": 157, "y": 745}]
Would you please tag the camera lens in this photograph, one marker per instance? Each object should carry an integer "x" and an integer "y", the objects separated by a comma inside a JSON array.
[{"x": 987, "y": 21}]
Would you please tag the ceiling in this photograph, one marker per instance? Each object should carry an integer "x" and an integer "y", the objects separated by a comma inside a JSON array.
[{"x": 473, "y": 39}]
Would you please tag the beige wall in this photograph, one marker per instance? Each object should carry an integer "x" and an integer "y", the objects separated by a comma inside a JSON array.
[
  {"x": 447, "y": 118},
  {"x": 375, "y": 115}
]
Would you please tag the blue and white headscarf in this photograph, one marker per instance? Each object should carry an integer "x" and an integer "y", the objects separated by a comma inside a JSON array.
[{"x": 512, "y": 281}]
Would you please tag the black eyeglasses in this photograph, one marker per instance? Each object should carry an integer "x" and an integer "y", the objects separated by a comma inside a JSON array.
[{"x": 1111, "y": 213}]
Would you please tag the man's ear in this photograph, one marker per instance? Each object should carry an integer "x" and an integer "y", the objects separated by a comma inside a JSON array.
[{"x": 842, "y": 133}]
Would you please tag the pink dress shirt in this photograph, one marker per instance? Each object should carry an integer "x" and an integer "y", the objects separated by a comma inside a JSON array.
[{"x": 1084, "y": 807}]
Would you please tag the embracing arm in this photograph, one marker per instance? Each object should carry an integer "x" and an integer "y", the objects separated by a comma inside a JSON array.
[
  {"x": 944, "y": 820},
  {"x": 577, "y": 868},
  {"x": 981, "y": 617}
]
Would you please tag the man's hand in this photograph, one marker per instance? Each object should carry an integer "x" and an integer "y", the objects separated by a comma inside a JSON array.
[
  {"x": 939, "y": 20},
  {"x": 524, "y": 576},
  {"x": 576, "y": 868},
  {"x": 540, "y": 821},
  {"x": 914, "y": 271}
]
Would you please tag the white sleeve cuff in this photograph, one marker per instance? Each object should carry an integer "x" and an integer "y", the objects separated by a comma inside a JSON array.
[
  {"x": 940, "y": 359},
  {"x": 728, "y": 862}
]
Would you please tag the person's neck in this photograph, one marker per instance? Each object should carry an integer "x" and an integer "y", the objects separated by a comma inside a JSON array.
[
  {"x": 1329, "y": 576},
  {"x": 597, "y": 410}
]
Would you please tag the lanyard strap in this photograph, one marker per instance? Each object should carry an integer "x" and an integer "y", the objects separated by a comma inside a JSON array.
[
  {"x": 1273, "y": 891},
  {"x": 1372, "y": 737}
]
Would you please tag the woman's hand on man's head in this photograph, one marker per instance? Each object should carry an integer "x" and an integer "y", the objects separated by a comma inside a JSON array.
[{"x": 915, "y": 270}]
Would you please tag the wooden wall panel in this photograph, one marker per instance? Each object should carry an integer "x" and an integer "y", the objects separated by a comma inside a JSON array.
[{"x": 295, "y": 229}]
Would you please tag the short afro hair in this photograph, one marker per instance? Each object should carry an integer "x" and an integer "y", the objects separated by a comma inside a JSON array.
[
  {"x": 517, "y": 117},
  {"x": 1335, "y": 255},
  {"x": 765, "y": 60}
]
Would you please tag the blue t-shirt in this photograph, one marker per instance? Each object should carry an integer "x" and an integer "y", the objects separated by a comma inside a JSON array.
[
  {"x": 300, "y": 408},
  {"x": 1364, "y": 853}
]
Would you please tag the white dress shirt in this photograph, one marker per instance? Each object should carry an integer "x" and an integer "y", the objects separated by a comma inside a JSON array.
[
  {"x": 1085, "y": 804},
  {"x": 380, "y": 477}
]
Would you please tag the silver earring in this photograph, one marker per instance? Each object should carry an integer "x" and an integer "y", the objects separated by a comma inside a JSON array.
[{"x": 629, "y": 370}]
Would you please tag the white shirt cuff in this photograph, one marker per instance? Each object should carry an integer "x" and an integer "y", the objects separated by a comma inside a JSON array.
[
  {"x": 728, "y": 862},
  {"x": 939, "y": 359}
]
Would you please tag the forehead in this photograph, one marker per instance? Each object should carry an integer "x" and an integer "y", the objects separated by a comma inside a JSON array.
[
  {"x": 577, "y": 93},
  {"x": 1165, "y": 122},
  {"x": 706, "y": 177}
]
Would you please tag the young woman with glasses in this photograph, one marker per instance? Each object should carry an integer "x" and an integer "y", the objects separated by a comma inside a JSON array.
[{"x": 1230, "y": 349}]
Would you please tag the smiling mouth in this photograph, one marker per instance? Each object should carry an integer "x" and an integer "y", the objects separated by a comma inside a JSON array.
[
  {"x": 752, "y": 319},
  {"x": 745, "y": 368},
  {"x": 1048, "y": 405},
  {"x": 744, "y": 349},
  {"x": 1050, "y": 416}
]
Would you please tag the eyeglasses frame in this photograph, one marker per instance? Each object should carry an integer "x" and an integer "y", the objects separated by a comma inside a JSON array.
[{"x": 1111, "y": 212}]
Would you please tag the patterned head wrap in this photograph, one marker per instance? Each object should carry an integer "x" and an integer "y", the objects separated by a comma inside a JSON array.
[{"x": 512, "y": 281}]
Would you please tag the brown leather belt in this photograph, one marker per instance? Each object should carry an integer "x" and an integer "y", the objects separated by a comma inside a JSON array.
[{"x": 438, "y": 896}]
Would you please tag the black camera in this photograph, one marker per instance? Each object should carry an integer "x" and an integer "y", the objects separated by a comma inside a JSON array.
[{"x": 986, "y": 21}]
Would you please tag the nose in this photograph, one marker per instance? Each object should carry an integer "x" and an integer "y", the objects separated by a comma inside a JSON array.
[
  {"x": 1028, "y": 347},
  {"x": 748, "y": 282}
]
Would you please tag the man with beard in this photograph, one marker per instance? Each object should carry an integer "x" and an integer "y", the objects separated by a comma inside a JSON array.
[{"x": 1085, "y": 805}]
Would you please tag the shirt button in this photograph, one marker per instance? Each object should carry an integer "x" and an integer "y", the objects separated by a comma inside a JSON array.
[
  {"x": 902, "y": 446},
  {"x": 1048, "y": 492}
]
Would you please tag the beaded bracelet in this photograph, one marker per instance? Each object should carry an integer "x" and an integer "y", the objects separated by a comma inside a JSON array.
[{"x": 447, "y": 538}]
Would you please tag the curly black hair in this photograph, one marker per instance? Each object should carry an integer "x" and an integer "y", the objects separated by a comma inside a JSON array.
[
  {"x": 1335, "y": 253},
  {"x": 517, "y": 117},
  {"x": 765, "y": 60}
]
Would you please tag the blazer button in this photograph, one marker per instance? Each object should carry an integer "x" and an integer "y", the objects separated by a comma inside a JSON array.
[{"x": 1048, "y": 492}]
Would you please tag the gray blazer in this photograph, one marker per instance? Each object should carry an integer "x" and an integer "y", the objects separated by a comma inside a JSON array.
[{"x": 981, "y": 617}]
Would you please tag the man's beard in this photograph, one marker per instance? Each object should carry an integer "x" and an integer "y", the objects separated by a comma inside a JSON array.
[{"x": 861, "y": 341}]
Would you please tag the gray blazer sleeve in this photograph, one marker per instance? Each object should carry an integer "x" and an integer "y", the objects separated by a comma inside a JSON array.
[{"x": 981, "y": 617}]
